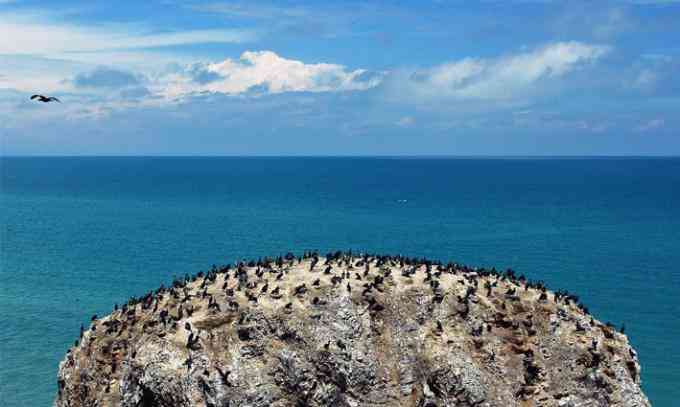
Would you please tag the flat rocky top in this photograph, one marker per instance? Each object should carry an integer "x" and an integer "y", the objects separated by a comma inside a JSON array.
[{"x": 351, "y": 331}]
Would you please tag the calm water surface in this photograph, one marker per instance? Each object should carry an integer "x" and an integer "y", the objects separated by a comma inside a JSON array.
[{"x": 79, "y": 234}]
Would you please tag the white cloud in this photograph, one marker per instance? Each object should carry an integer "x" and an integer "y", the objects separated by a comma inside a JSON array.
[
  {"x": 502, "y": 78},
  {"x": 34, "y": 34},
  {"x": 39, "y": 51},
  {"x": 264, "y": 72}
]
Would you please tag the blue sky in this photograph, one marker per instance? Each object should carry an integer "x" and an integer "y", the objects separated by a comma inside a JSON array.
[{"x": 531, "y": 77}]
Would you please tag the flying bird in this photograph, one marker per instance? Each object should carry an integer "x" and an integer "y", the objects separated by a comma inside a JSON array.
[{"x": 45, "y": 99}]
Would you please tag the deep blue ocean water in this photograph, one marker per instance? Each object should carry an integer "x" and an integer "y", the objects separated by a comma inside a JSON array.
[{"x": 79, "y": 234}]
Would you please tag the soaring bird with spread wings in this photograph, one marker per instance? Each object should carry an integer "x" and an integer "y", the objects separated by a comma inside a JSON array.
[{"x": 45, "y": 99}]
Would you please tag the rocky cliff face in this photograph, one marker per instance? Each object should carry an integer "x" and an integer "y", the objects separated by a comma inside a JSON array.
[{"x": 351, "y": 331}]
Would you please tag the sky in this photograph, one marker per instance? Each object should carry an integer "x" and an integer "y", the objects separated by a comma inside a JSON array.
[{"x": 494, "y": 77}]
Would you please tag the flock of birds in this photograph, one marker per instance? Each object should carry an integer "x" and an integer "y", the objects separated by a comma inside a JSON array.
[
  {"x": 357, "y": 264},
  {"x": 249, "y": 281}
]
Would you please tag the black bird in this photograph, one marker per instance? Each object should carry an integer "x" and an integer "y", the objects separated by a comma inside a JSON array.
[
  {"x": 45, "y": 99},
  {"x": 192, "y": 342},
  {"x": 301, "y": 289},
  {"x": 224, "y": 376}
]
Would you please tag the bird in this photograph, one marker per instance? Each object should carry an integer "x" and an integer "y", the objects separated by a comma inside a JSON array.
[
  {"x": 45, "y": 99},
  {"x": 224, "y": 376}
]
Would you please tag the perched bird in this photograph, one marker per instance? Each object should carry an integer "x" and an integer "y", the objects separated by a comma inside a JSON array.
[
  {"x": 45, "y": 99},
  {"x": 224, "y": 376}
]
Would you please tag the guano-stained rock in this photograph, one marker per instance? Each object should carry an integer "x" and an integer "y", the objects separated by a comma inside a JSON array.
[{"x": 347, "y": 330}]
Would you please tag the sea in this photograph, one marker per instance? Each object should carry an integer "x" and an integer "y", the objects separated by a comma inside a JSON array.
[{"x": 79, "y": 234}]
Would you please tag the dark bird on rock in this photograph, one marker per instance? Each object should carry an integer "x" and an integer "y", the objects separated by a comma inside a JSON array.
[
  {"x": 45, "y": 99},
  {"x": 224, "y": 375},
  {"x": 192, "y": 342},
  {"x": 301, "y": 289}
]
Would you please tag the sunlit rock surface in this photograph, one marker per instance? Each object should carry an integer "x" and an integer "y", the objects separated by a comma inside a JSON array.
[{"x": 347, "y": 330}]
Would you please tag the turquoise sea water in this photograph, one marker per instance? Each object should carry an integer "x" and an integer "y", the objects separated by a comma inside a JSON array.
[{"x": 79, "y": 234}]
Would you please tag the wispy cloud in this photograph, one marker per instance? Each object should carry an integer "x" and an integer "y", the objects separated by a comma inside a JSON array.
[
  {"x": 503, "y": 78},
  {"x": 349, "y": 18},
  {"x": 260, "y": 11},
  {"x": 103, "y": 77},
  {"x": 34, "y": 34},
  {"x": 651, "y": 125},
  {"x": 653, "y": 74}
]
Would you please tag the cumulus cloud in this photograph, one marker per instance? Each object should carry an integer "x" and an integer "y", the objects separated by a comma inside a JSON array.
[
  {"x": 265, "y": 72},
  {"x": 505, "y": 77}
]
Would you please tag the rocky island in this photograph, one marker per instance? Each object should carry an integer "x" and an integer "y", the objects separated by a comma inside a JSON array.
[{"x": 350, "y": 330}]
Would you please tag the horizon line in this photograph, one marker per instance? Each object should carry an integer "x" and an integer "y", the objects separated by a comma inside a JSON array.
[{"x": 416, "y": 156}]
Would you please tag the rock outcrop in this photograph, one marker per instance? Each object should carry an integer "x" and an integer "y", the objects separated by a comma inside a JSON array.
[{"x": 347, "y": 330}]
